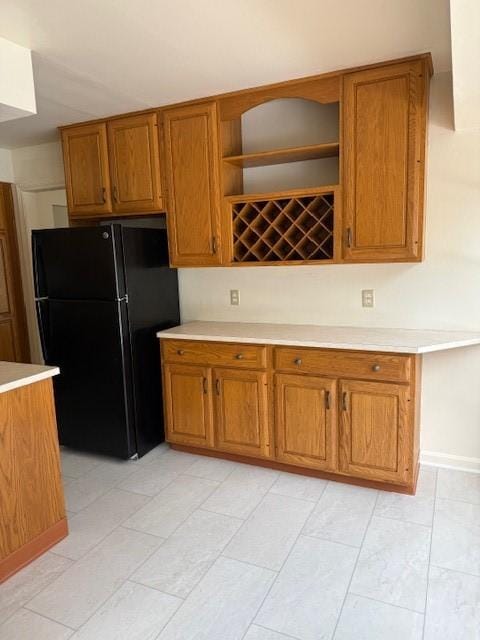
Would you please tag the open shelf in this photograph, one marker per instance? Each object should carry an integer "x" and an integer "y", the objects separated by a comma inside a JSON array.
[
  {"x": 295, "y": 228},
  {"x": 284, "y": 156}
]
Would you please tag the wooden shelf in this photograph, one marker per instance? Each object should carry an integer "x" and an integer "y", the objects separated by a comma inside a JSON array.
[{"x": 283, "y": 156}]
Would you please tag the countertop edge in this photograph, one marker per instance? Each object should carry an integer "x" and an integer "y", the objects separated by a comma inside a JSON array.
[
  {"x": 344, "y": 346},
  {"x": 29, "y": 379}
]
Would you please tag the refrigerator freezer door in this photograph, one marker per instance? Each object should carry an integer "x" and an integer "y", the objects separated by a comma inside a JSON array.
[
  {"x": 78, "y": 264},
  {"x": 89, "y": 341}
]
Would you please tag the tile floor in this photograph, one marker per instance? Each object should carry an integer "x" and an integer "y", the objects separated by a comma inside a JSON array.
[{"x": 182, "y": 547}]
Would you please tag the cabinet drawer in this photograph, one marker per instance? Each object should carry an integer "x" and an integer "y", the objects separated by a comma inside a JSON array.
[
  {"x": 344, "y": 364},
  {"x": 245, "y": 356}
]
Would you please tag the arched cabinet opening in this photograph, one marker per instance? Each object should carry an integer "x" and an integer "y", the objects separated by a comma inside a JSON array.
[{"x": 280, "y": 173}]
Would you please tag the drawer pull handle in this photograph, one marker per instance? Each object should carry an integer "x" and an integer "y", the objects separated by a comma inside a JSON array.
[
  {"x": 180, "y": 352},
  {"x": 239, "y": 356},
  {"x": 297, "y": 361},
  {"x": 205, "y": 386},
  {"x": 344, "y": 401},
  {"x": 376, "y": 367}
]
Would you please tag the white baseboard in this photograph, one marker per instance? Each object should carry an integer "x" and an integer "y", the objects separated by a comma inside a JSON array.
[{"x": 447, "y": 461}]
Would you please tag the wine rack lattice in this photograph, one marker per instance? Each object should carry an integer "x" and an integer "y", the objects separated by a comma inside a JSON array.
[{"x": 285, "y": 229}]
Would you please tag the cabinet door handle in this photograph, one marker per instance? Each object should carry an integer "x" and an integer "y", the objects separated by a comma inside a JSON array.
[
  {"x": 344, "y": 401},
  {"x": 205, "y": 386},
  {"x": 180, "y": 352},
  {"x": 349, "y": 237},
  {"x": 217, "y": 386},
  {"x": 327, "y": 400},
  {"x": 297, "y": 361},
  {"x": 103, "y": 196},
  {"x": 376, "y": 367},
  {"x": 115, "y": 193},
  {"x": 239, "y": 356},
  {"x": 214, "y": 244}
]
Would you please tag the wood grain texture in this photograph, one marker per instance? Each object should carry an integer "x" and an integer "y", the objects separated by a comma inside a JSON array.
[
  {"x": 282, "y": 156},
  {"x": 384, "y": 132},
  {"x": 188, "y": 404},
  {"x": 87, "y": 179},
  {"x": 243, "y": 356},
  {"x": 135, "y": 164},
  {"x": 305, "y": 421},
  {"x": 376, "y": 435},
  {"x": 32, "y": 550},
  {"x": 191, "y": 148},
  {"x": 345, "y": 364},
  {"x": 363, "y": 429},
  {"x": 31, "y": 493},
  {"x": 14, "y": 344},
  {"x": 241, "y": 412}
]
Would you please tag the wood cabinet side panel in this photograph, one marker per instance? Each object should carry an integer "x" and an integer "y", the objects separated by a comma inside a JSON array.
[{"x": 31, "y": 491}]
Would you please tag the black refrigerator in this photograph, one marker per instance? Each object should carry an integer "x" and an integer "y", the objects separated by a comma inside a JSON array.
[{"x": 102, "y": 293}]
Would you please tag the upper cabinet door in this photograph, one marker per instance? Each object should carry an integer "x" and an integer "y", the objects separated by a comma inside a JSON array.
[
  {"x": 193, "y": 216},
  {"x": 86, "y": 169},
  {"x": 134, "y": 164},
  {"x": 384, "y": 127}
]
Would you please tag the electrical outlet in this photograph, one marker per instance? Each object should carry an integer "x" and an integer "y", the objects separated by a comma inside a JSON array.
[
  {"x": 234, "y": 297},
  {"x": 368, "y": 298}
]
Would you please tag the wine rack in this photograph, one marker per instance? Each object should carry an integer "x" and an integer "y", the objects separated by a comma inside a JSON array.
[{"x": 285, "y": 229}]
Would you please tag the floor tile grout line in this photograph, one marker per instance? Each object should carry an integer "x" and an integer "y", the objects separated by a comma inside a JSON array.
[
  {"x": 149, "y": 586},
  {"x": 463, "y": 573},
  {"x": 474, "y": 504},
  {"x": 257, "y": 624},
  {"x": 419, "y": 524},
  {"x": 347, "y": 590},
  {"x": 276, "y": 577},
  {"x": 389, "y": 604},
  {"x": 344, "y": 544},
  {"x": 42, "y": 615},
  {"x": 430, "y": 554},
  {"x": 58, "y": 553},
  {"x": 127, "y": 579}
]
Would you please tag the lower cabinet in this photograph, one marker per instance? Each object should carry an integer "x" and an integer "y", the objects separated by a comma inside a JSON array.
[
  {"x": 188, "y": 405},
  {"x": 277, "y": 407},
  {"x": 241, "y": 405},
  {"x": 375, "y": 442},
  {"x": 305, "y": 421}
]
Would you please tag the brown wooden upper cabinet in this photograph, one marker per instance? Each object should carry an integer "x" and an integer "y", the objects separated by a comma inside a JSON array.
[
  {"x": 193, "y": 219},
  {"x": 113, "y": 168},
  {"x": 384, "y": 122},
  {"x": 85, "y": 156},
  {"x": 134, "y": 164}
]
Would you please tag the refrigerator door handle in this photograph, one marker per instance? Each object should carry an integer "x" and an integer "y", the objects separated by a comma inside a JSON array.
[{"x": 42, "y": 328}]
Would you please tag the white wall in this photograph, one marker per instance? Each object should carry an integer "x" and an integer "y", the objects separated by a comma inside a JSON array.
[
  {"x": 6, "y": 166},
  {"x": 36, "y": 210},
  {"x": 40, "y": 166},
  {"x": 443, "y": 292}
]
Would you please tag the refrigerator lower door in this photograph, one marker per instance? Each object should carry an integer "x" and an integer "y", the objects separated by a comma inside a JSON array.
[{"x": 89, "y": 341}]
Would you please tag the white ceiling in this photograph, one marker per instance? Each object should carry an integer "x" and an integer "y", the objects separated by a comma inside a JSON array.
[{"x": 94, "y": 58}]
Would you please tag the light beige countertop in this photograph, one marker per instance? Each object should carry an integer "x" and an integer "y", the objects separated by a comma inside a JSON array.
[
  {"x": 298, "y": 335},
  {"x": 15, "y": 374}
]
